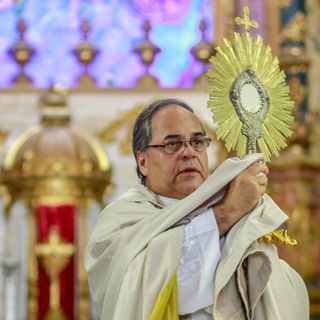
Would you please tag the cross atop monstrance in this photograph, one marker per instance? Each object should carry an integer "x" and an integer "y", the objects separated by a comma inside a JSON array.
[
  {"x": 246, "y": 20},
  {"x": 55, "y": 255}
]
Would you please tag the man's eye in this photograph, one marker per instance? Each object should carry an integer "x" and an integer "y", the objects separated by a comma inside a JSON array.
[
  {"x": 197, "y": 142},
  {"x": 172, "y": 144}
]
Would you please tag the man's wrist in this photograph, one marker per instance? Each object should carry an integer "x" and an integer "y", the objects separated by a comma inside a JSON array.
[{"x": 223, "y": 217}]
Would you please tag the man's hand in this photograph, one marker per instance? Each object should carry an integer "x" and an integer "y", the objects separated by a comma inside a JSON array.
[{"x": 242, "y": 195}]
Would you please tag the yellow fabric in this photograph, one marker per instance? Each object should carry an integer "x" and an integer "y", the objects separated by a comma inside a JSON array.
[
  {"x": 166, "y": 307},
  {"x": 279, "y": 236}
]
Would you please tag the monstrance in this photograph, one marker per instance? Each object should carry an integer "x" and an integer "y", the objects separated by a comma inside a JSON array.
[
  {"x": 248, "y": 94},
  {"x": 250, "y": 100}
]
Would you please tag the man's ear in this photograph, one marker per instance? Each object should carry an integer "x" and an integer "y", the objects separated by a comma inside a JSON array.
[{"x": 142, "y": 162}]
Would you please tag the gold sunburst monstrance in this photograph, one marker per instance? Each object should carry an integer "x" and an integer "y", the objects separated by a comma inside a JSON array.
[{"x": 248, "y": 95}]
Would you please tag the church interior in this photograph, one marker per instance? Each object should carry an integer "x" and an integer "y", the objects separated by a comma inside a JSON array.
[{"x": 74, "y": 76}]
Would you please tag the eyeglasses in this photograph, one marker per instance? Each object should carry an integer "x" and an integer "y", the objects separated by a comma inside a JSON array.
[{"x": 170, "y": 147}]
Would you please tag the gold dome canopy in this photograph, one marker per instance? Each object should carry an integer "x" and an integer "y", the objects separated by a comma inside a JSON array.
[{"x": 55, "y": 161}]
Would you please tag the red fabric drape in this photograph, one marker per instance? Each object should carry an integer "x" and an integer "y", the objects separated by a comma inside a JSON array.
[{"x": 63, "y": 217}]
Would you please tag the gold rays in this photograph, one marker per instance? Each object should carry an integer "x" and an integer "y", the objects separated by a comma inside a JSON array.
[{"x": 233, "y": 58}]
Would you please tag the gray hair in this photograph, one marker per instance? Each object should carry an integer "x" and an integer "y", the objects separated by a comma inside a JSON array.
[{"x": 142, "y": 130}]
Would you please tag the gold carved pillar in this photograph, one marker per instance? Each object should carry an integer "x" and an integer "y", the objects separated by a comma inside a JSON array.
[
  {"x": 84, "y": 308},
  {"x": 32, "y": 265},
  {"x": 295, "y": 176}
]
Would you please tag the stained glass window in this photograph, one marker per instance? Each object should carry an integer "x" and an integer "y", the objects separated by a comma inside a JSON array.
[{"x": 54, "y": 30}]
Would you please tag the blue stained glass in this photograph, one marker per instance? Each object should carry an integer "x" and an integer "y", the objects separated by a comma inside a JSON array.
[{"x": 54, "y": 30}]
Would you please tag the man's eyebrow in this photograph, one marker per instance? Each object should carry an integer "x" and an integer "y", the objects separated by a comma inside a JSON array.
[
  {"x": 198, "y": 133},
  {"x": 172, "y": 136},
  {"x": 175, "y": 135}
]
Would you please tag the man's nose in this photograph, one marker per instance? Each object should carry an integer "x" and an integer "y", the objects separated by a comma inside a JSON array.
[{"x": 187, "y": 149}]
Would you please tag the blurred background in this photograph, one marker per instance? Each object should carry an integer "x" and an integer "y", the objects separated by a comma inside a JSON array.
[{"x": 75, "y": 74}]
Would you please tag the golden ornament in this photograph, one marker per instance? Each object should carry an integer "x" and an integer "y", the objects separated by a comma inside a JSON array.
[{"x": 248, "y": 95}]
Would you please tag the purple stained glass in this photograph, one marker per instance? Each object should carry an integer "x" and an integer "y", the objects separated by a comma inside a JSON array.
[
  {"x": 54, "y": 29},
  {"x": 164, "y": 11}
]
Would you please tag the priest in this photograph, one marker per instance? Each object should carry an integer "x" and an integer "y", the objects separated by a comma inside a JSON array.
[{"x": 183, "y": 244}]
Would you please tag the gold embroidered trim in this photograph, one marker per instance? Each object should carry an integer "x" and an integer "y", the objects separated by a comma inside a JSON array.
[{"x": 279, "y": 236}]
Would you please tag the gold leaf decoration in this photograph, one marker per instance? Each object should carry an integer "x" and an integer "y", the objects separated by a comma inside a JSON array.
[{"x": 123, "y": 124}]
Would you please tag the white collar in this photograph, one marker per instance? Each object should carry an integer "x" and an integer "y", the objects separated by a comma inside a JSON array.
[{"x": 165, "y": 201}]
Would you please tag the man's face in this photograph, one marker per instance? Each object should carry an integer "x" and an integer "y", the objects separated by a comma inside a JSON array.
[{"x": 179, "y": 174}]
